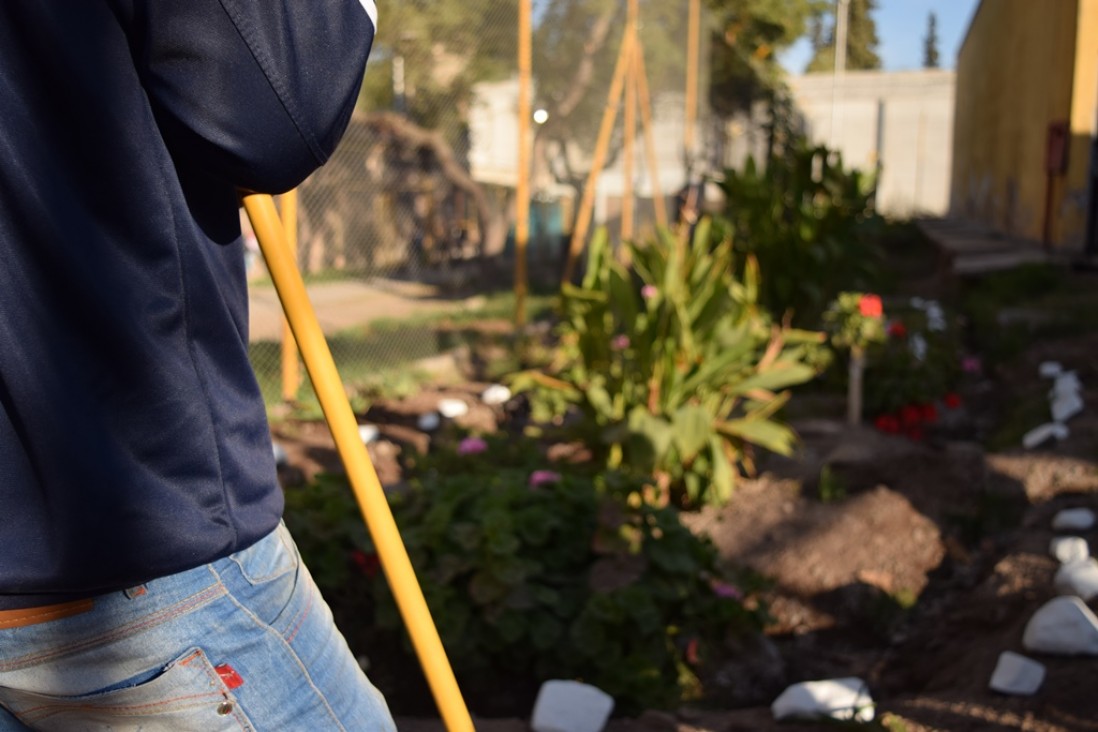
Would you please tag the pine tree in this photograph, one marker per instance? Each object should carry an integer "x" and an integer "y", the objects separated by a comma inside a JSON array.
[
  {"x": 861, "y": 41},
  {"x": 930, "y": 43}
]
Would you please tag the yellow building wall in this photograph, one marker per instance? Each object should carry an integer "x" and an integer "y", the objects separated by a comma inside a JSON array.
[
  {"x": 1072, "y": 219},
  {"x": 1024, "y": 65}
]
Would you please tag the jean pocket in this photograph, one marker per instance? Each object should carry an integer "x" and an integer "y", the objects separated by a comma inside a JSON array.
[
  {"x": 269, "y": 558},
  {"x": 187, "y": 696}
]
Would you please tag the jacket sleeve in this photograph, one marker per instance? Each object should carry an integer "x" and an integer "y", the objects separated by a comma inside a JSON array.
[{"x": 255, "y": 92}]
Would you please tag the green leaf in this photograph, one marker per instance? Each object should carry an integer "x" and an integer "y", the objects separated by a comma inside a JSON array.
[
  {"x": 693, "y": 427},
  {"x": 762, "y": 432},
  {"x": 724, "y": 474},
  {"x": 779, "y": 375},
  {"x": 655, "y": 430}
]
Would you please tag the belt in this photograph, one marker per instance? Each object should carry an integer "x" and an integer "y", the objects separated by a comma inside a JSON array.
[{"x": 43, "y": 614}]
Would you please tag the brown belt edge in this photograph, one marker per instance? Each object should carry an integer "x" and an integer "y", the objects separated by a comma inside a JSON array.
[{"x": 43, "y": 614}]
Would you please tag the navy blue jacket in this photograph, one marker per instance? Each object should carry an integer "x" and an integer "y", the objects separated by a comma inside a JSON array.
[{"x": 133, "y": 439}]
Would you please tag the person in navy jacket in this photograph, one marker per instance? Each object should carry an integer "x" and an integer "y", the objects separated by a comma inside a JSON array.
[{"x": 146, "y": 581}]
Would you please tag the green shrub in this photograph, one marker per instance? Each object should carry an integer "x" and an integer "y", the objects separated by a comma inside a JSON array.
[
  {"x": 565, "y": 579},
  {"x": 673, "y": 368},
  {"x": 810, "y": 225}
]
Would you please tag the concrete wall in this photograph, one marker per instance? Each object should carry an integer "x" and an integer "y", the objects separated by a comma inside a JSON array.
[
  {"x": 903, "y": 120},
  {"x": 1023, "y": 66}
]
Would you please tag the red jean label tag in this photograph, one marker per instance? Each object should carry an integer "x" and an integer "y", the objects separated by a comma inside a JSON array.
[{"x": 229, "y": 676}]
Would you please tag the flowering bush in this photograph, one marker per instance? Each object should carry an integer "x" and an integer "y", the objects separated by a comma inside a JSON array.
[
  {"x": 672, "y": 368},
  {"x": 855, "y": 322},
  {"x": 567, "y": 579},
  {"x": 914, "y": 372}
]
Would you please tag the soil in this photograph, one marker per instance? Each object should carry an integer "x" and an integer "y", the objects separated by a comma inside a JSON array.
[{"x": 913, "y": 566}]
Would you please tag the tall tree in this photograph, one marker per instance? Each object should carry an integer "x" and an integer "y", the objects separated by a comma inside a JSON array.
[
  {"x": 930, "y": 43},
  {"x": 747, "y": 36},
  {"x": 861, "y": 40}
]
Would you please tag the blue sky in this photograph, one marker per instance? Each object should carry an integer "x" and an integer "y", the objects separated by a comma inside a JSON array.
[{"x": 901, "y": 28}]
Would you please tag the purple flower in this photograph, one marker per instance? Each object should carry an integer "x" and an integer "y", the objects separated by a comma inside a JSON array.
[
  {"x": 726, "y": 590},
  {"x": 649, "y": 291},
  {"x": 472, "y": 446},
  {"x": 539, "y": 478},
  {"x": 971, "y": 365},
  {"x": 620, "y": 342}
]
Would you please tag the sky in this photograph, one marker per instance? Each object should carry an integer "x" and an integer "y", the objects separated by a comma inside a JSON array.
[{"x": 901, "y": 28}]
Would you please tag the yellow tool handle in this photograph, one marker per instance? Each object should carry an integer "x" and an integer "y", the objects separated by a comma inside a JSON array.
[{"x": 367, "y": 488}]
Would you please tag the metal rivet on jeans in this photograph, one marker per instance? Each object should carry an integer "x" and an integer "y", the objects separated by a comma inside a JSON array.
[{"x": 225, "y": 708}]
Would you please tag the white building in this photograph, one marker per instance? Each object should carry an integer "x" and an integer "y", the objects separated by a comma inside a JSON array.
[{"x": 902, "y": 120}]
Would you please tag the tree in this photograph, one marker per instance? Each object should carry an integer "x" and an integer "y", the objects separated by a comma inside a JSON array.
[
  {"x": 930, "y": 43},
  {"x": 746, "y": 38},
  {"x": 861, "y": 41}
]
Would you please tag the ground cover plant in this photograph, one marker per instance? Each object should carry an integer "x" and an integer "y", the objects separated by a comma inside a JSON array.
[{"x": 533, "y": 574}]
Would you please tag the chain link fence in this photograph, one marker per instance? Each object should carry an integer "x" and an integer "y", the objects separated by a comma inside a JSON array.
[{"x": 411, "y": 222}]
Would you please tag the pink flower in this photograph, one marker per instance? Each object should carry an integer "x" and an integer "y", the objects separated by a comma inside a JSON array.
[
  {"x": 472, "y": 446},
  {"x": 726, "y": 590},
  {"x": 971, "y": 365},
  {"x": 649, "y": 291},
  {"x": 539, "y": 478},
  {"x": 620, "y": 342},
  {"x": 870, "y": 306}
]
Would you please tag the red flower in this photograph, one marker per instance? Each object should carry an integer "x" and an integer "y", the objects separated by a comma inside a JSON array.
[
  {"x": 929, "y": 413},
  {"x": 692, "y": 656},
  {"x": 915, "y": 433},
  {"x": 911, "y": 415},
  {"x": 368, "y": 564},
  {"x": 897, "y": 329},
  {"x": 870, "y": 306},
  {"x": 952, "y": 400},
  {"x": 888, "y": 424}
]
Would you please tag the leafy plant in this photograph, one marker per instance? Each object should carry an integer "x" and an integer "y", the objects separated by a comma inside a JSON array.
[
  {"x": 809, "y": 223},
  {"x": 555, "y": 577},
  {"x": 672, "y": 367}
]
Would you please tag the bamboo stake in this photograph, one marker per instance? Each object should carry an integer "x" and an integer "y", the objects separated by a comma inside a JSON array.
[
  {"x": 693, "y": 41},
  {"x": 291, "y": 368},
  {"x": 583, "y": 216},
  {"x": 360, "y": 471},
  {"x": 522, "y": 187},
  {"x": 650, "y": 140},
  {"x": 629, "y": 142}
]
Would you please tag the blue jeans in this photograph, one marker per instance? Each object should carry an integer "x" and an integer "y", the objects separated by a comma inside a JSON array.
[{"x": 244, "y": 643}]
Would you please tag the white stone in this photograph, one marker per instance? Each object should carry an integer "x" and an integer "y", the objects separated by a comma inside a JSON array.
[
  {"x": 279, "y": 453},
  {"x": 1073, "y": 519},
  {"x": 1065, "y": 406},
  {"x": 368, "y": 433},
  {"x": 451, "y": 408},
  {"x": 1040, "y": 435},
  {"x": 1069, "y": 549},
  {"x": 1050, "y": 369},
  {"x": 569, "y": 706},
  {"x": 845, "y": 699},
  {"x": 1066, "y": 383},
  {"x": 1063, "y": 626},
  {"x": 1079, "y": 579},
  {"x": 1016, "y": 674},
  {"x": 429, "y": 422},
  {"x": 495, "y": 395}
]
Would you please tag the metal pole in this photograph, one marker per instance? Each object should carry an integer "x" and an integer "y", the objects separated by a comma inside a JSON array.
[
  {"x": 583, "y": 216},
  {"x": 291, "y": 370},
  {"x": 360, "y": 471},
  {"x": 842, "y": 14},
  {"x": 522, "y": 187}
]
